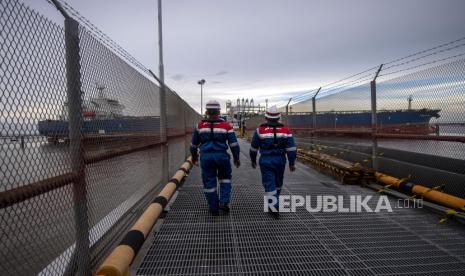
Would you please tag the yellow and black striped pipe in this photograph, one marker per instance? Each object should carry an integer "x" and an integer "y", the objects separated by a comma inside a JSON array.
[
  {"x": 429, "y": 194},
  {"x": 118, "y": 262},
  {"x": 346, "y": 169}
]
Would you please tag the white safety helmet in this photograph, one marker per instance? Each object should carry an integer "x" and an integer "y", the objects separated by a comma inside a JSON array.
[
  {"x": 212, "y": 104},
  {"x": 273, "y": 113}
]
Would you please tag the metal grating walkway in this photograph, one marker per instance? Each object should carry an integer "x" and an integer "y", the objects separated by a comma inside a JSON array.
[{"x": 249, "y": 242}]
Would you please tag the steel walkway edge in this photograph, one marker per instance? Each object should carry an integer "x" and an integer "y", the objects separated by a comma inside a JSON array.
[{"x": 249, "y": 242}]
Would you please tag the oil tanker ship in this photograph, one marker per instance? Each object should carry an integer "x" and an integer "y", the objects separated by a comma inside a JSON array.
[
  {"x": 402, "y": 121},
  {"x": 102, "y": 118},
  {"x": 399, "y": 121}
]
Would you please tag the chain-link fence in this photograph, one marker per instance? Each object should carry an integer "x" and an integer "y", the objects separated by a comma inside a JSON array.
[
  {"x": 81, "y": 141},
  {"x": 405, "y": 118}
]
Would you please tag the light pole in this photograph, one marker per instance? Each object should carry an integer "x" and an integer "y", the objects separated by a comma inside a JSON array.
[{"x": 201, "y": 82}]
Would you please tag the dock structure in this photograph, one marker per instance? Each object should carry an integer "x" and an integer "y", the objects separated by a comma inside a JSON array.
[{"x": 248, "y": 241}]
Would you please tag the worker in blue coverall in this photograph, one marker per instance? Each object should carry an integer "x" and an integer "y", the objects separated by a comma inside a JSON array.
[
  {"x": 212, "y": 136},
  {"x": 274, "y": 141}
]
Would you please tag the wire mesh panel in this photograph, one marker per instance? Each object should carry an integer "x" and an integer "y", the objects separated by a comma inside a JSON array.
[
  {"x": 80, "y": 142},
  {"x": 337, "y": 113},
  {"x": 192, "y": 118},
  {"x": 175, "y": 114},
  {"x": 344, "y": 111},
  {"x": 176, "y": 130},
  {"x": 32, "y": 91},
  {"x": 418, "y": 131},
  {"x": 429, "y": 102},
  {"x": 425, "y": 93},
  {"x": 121, "y": 117}
]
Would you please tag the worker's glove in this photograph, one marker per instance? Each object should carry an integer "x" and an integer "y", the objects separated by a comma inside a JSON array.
[
  {"x": 292, "y": 168},
  {"x": 237, "y": 163},
  {"x": 254, "y": 165}
]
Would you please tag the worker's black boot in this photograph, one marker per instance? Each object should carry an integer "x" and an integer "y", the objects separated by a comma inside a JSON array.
[{"x": 224, "y": 207}]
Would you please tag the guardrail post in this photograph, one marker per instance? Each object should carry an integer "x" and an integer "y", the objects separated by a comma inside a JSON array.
[
  {"x": 374, "y": 121},
  {"x": 74, "y": 102}
]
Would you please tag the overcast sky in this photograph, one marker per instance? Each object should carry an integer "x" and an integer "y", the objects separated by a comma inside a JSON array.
[{"x": 271, "y": 48}]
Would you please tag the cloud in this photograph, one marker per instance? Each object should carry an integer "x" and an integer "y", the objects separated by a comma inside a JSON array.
[
  {"x": 177, "y": 77},
  {"x": 270, "y": 40},
  {"x": 221, "y": 73}
]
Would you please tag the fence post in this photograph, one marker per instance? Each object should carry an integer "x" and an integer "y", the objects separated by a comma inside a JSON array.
[
  {"x": 163, "y": 121},
  {"x": 374, "y": 121},
  {"x": 74, "y": 100},
  {"x": 314, "y": 108},
  {"x": 287, "y": 112},
  {"x": 186, "y": 137},
  {"x": 314, "y": 114}
]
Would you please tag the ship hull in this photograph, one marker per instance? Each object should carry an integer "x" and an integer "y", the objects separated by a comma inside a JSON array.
[
  {"x": 401, "y": 121},
  {"x": 110, "y": 129},
  {"x": 58, "y": 128}
]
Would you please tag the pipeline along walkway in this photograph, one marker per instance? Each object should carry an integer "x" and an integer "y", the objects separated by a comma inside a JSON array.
[{"x": 250, "y": 242}]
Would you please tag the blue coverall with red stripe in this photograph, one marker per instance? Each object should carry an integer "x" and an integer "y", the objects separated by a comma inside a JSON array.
[
  {"x": 274, "y": 141},
  {"x": 212, "y": 137}
]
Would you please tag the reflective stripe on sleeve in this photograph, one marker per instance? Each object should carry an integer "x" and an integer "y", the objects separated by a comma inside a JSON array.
[
  {"x": 291, "y": 149},
  {"x": 235, "y": 144},
  {"x": 253, "y": 149},
  {"x": 221, "y": 181}
]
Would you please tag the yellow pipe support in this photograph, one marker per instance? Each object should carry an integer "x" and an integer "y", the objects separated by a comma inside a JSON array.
[{"x": 119, "y": 260}]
